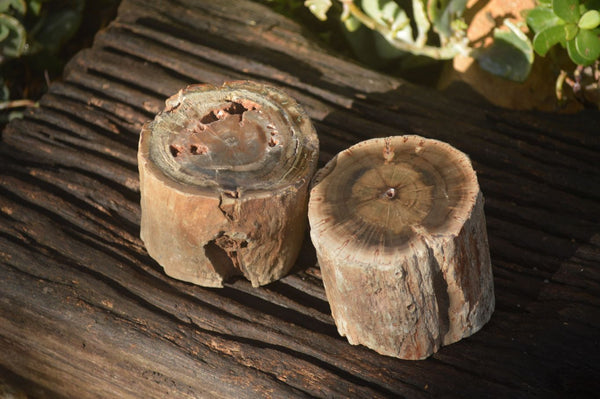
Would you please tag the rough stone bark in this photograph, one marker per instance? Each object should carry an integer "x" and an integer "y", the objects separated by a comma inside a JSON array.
[
  {"x": 400, "y": 234},
  {"x": 86, "y": 313},
  {"x": 224, "y": 175}
]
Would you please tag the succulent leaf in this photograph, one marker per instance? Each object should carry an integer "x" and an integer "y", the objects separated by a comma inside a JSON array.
[
  {"x": 544, "y": 40},
  {"x": 541, "y": 18},
  {"x": 319, "y": 8},
  {"x": 587, "y": 44},
  {"x": 589, "y": 20},
  {"x": 567, "y": 10}
]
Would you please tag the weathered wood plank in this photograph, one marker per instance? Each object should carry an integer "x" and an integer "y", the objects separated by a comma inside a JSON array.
[{"x": 84, "y": 312}]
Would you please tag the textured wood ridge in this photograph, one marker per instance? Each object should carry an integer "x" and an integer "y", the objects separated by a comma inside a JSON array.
[
  {"x": 399, "y": 230},
  {"x": 85, "y": 312}
]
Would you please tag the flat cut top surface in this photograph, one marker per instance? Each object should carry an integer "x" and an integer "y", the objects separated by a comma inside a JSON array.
[
  {"x": 241, "y": 136},
  {"x": 381, "y": 194}
]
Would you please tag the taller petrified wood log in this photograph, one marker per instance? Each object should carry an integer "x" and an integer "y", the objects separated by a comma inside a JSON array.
[
  {"x": 400, "y": 234},
  {"x": 224, "y": 173}
]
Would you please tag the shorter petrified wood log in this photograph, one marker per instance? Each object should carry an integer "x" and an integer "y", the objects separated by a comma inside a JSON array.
[
  {"x": 224, "y": 174},
  {"x": 400, "y": 234}
]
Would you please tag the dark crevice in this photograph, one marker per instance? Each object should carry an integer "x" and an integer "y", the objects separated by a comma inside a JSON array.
[
  {"x": 53, "y": 139},
  {"x": 64, "y": 90},
  {"x": 301, "y": 297},
  {"x": 223, "y": 259},
  {"x": 507, "y": 384},
  {"x": 340, "y": 372},
  {"x": 127, "y": 140},
  {"x": 147, "y": 91},
  {"x": 573, "y": 214},
  {"x": 271, "y": 58},
  {"x": 556, "y": 135},
  {"x": 105, "y": 95},
  {"x": 155, "y": 309},
  {"x": 288, "y": 315},
  {"x": 63, "y": 221}
]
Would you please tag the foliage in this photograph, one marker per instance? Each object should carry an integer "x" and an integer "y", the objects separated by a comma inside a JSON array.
[
  {"x": 29, "y": 26},
  {"x": 572, "y": 24},
  {"x": 388, "y": 29},
  {"x": 34, "y": 30},
  {"x": 429, "y": 28},
  {"x": 36, "y": 37},
  {"x": 399, "y": 30},
  {"x": 575, "y": 26}
]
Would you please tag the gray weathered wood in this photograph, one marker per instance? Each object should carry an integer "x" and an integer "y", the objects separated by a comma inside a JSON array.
[{"x": 85, "y": 312}]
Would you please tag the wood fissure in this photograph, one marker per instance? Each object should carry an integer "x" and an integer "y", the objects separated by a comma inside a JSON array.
[{"x": 69, "y": 214}]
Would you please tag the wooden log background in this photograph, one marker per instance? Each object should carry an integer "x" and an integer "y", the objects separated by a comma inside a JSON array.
[{"x": 85, "y": 312}]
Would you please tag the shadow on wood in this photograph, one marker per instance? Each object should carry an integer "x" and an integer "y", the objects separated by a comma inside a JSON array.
[{"x": 85, "y": 312}]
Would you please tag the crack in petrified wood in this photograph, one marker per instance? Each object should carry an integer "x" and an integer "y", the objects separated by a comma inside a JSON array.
[
  {"x": 400, "y": 235},
  {"x": 224, "y": 175}
]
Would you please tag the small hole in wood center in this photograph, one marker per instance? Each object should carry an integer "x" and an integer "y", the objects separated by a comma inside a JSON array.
[{"x": 390, "y": 193}]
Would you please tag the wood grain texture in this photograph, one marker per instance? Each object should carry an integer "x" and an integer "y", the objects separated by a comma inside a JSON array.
[
  {"x": 224, "y": 174},
  {"x": 85, "y": 312},
  {"x": 400, "y": 235}
]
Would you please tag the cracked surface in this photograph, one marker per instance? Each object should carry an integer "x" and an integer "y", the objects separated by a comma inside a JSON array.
[
  {"x": 400, "y": 235},
  {"x": 224, "y": 175},
  {"x": 235, "y": 139},
  {"x": 386, "y": 193}
]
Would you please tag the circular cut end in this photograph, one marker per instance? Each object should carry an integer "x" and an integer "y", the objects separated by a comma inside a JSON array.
[
  {"x": 242, "y": 137},
  {"x": 384, "y": 195}
]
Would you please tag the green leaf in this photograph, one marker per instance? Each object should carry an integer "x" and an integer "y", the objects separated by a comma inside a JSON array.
[
  {"x": 545, "y": 2},
  {"x": 14, "y": 43},
  {"x": 443, "y": 12},
  {"x": 372, "y": 8},
  {"x": 544, "y": 40},
  {"x": 35, "y": 6},
  {"x": 351, "y": 23},
  {"x": 388, "y": 13},
  {"x": 571, "y": 31},
  {"x": 575, "y": 56},
  {"x": 384, "y": 49},
  {"x": 18, "y": 5},
  {"x": 587, "y": 44},
  {"x": 589, "y": 20},
  {"x": 510, "y": 55},
  {"x": 361, "y": 42},
  {"x": 567, "y": 10},
  {"x": 4, "y": 32},
  {"x": 319, "y": 8},
  {"x": 58, "y": 27},
  {"x": 420, "y": 18},
  {"x": 541, "y": 18}
]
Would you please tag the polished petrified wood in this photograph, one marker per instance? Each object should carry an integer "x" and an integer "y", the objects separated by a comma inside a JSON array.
[
  {"x": 400, "y": 234},
  {"x": 224, "y": 174}
]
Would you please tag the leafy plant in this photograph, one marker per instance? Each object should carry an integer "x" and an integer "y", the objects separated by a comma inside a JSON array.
[
  {"x": 393, "y": 23},
  {"x": 34, "y": 30},
  {"x": 30, "y": 27},
  {"x": 570, "y": 23},
  {"x": 430, "y": 28},
  {"x": 575, "y": 26}
]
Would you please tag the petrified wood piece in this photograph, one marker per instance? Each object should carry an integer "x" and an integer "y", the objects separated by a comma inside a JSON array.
[
  {"x": 400, "y": 234},
  {"x": 224, "y": 174}
]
